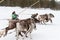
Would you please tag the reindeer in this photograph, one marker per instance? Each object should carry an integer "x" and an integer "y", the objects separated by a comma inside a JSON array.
[
  {"x": 45, "y": 18},
  {"x": 25, "y": 26}
]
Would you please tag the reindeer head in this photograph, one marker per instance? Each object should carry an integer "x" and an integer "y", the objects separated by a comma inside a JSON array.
[
  {"x": 34, "y": 15},
  {"x": 51, "y": 15}
]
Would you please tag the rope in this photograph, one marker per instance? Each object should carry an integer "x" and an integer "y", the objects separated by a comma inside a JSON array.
[
  {"x": 5, "y": 19},
  {"x": 34, "y": 3},
  {"x": 29, "y": 6}
]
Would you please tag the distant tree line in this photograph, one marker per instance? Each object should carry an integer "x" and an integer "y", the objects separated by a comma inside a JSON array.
[{"x": 27, "y": 3}]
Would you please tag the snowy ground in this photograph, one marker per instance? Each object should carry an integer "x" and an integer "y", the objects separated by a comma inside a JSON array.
[{"x": 51, "y": 31}]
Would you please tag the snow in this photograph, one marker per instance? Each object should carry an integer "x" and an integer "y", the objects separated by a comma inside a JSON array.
[{"x": 50, "y": 31}]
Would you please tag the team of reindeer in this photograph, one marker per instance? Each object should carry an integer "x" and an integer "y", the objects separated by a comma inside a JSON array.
[{"x": 26, "y": 25}]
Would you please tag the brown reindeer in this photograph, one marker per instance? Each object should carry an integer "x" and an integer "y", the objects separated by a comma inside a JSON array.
[
  {"x": 26, "y": 26},
  {"x": 45, "y": 18}
]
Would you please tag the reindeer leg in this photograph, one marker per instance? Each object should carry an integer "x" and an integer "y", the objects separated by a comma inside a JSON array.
[
  {"x": 25, "y": 33},
  {"x": 44, "y": 22},
  {"x": 50, "y": 20},
  {"x": 30, "y": 36},
  {"x": 20, "y": 34},
  {"x": 17, "y": 34},
  {"x": 6, "y": 30},
  {"x": 41, "y": 21},
  {"x": 34, "y": 26}
]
